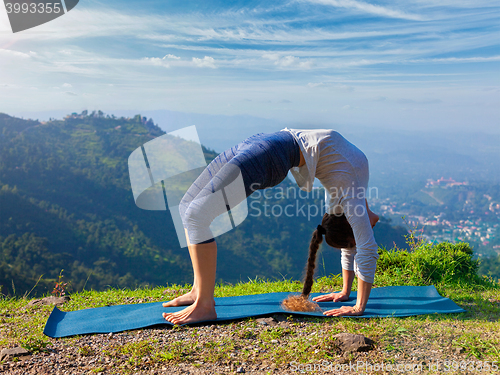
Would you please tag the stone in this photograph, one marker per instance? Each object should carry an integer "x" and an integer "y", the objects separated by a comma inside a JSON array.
[
  {"x": 7, "y": 354},
  {"x": 240, "y": 370},
  {"x": 280, "y": 318},
  {"x": 52, "y": 300},
  {"x": 349, "y": 342},
  {"x": 267, "y": 321}
]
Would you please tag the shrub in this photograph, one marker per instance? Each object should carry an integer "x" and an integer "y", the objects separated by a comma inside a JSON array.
[{"x": 429, "y": 264}]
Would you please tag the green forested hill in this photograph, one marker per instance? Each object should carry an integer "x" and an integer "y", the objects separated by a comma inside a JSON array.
[{"x": 66, "y": 203}]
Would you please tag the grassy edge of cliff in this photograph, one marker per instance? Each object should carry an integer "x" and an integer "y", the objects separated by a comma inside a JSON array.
[{"x": 290, "y": 344}]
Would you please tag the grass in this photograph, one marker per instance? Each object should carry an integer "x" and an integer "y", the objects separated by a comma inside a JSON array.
[{"x": 475, "y": 334}]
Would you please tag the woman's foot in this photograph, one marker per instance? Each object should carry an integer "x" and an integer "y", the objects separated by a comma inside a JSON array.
[
  {"x": 185, "y": 299},
  {"x": 197, "y": 312}
]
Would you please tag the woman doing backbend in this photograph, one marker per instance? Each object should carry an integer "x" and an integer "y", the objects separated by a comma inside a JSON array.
[{"x": 264, "y": 161}]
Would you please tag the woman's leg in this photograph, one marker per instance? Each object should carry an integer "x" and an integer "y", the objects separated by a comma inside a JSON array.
[
  {"x": 198, "y": 216},
  {"x": 204, "y": 260},
  {"x": 188, "y": 298},
  {"x": 198, "y": 211},
  {"x": 198, "y": 188}
]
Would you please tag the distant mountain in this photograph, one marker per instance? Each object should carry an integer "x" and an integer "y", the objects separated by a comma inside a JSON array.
[
  {"x": 66, "y": 204},
  {"x": 400, "y": 160}
]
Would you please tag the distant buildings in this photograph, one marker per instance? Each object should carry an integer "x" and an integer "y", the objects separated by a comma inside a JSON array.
[
  {"x": 469, "y": 215},
  {"x": 444, "y": 182}
]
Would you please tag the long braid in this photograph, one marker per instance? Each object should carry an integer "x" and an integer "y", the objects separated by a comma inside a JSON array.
[
  {"x": 340, "y": 235},
  {"x": 316, "y": 240},
  {"x": 301, "y": 302}
]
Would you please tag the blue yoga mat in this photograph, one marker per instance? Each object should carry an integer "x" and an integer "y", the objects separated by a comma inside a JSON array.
[{"x": 395, "y": 301}]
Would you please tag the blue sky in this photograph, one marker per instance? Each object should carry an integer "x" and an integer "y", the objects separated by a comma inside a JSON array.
[{"x": 417, "y": 64}]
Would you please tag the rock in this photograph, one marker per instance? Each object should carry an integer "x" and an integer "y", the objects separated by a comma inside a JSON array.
[
  {"x": 349, "y": 342},
  {"x": 13, "y": 352},
  {"x": 52, "y": 300},
  {"x": 280, "y": 317},
  {"x": 459, "y": 350},
  {"x": 240, "y": 370},
  {"x": 267, "y": 321}
]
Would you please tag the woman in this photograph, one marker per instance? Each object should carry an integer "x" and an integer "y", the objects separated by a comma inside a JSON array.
[{"x": 264, "y": 161}]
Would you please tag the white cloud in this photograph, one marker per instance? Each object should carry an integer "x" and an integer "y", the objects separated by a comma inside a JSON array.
[
  {"x": 170, "y": 56},
  {"x": 268, "y": 35},
  {"x": 457, "y": 3},
  {"x": 315, "y": 84},
  {"x": 458, "y": 59},
  {"x": 86, "y": 22},
  {"x": 289, "y": 61},
  {"x": 306, "y": 64},
  {"x": 11, "y": 86},
  {"x": 206, "y": 62},
  {"x": 307, "y": 47},
  {"x": 11, "y": 53},
  {"x": 354, "y": 61},
  {"x": 271, "y": 56},
  {"x": 369, "y": 8},
  {"x": 67, "y": 85},
  {"x": 286, "y": 61},
  {"x": 156, "y": 61}
]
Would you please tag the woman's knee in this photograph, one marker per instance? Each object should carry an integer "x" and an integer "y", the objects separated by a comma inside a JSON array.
[
  {"x": 197, "y": 224},
  {"x": 191, "y": 215}
]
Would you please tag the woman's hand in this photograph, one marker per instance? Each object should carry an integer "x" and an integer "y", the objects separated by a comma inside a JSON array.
[
  {"x": 344, "y": 311},
  {"x": 335, "y": 297}
]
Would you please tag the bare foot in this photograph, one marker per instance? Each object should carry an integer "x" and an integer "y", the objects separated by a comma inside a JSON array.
[
  {"x": 192, "y": 314},
  {"x": 185, "y": 299},
  {"x": 335, "y": 297}
]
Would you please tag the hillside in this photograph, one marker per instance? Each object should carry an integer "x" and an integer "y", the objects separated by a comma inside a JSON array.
[
  {"x": 461, "y": 343},
  {"x": 66, "y": 205}
]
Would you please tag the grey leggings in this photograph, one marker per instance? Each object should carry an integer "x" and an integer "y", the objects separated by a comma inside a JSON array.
[{"x": 263, "y": 160}]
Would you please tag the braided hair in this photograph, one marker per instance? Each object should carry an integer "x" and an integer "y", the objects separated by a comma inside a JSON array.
[
  {"x": 338, "y": 233},
  {"x": 316, "y": 240}
]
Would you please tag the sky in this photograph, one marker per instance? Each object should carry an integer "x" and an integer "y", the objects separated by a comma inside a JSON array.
[{"x": 417, "y": 64}]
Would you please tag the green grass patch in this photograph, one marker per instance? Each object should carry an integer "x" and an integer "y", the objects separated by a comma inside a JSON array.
[
  {"x": 450, "y": 267},
  {"x": 441, "y": 264}
]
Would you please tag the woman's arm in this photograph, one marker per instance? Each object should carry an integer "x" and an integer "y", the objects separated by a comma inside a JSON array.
[
  {"x": 364, "y": 289},
  {"x": 362, "y": 222},
  {"x": 347, "y": 279}
]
